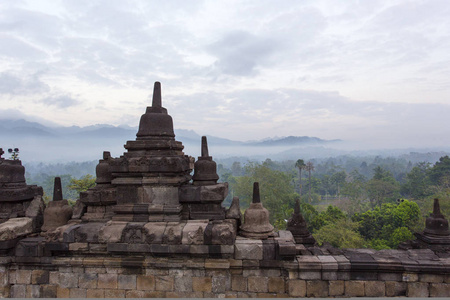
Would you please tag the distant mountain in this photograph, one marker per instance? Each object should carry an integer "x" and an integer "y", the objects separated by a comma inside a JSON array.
[{"x": 39, "y": 142}]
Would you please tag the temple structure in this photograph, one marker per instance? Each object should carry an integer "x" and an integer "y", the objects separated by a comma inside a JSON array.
[{"x": 151, "y": 229}]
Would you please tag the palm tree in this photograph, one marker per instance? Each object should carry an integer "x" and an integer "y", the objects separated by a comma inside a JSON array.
[
  {"x": 309, "y": 167},
  {"x": 300, "y": 164}
]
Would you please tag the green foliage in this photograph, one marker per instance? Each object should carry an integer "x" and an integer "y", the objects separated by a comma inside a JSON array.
[
  {"x": 381, "y": 225},
  {"x": 82, "y": 184},
  {"x": 440, "y": 171},
  {"x": 342, "y": 234},
  {"x": 418, "y": 183},
  {"x": 276, "y": 189}
]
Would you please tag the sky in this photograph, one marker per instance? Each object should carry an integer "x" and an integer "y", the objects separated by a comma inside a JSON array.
[{"x": 369, "y": 72}]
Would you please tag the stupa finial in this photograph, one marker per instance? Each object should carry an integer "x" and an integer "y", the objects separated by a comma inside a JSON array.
[
  {"x": 204, "y": 147},
  {"x": 297, "y": 206},
  {"x": 157, "y": 95},
  {"x": 57, "y": 190},
  {"x": 256, "y": 197},
  {"x": 436, "y": 207}
]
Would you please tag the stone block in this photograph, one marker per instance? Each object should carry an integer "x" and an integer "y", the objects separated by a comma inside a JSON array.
[
  {"x": 23, "y": 277},
  {"x": 217, "y": 264},
  {"x": 220, "y": 284},
  {"x": 127, "y": 282},
  {"x": 87, "y": 280},
  {"x": 395, "y": 288},
  {"x": 145, "y": 282},
  {"x": 77, "y": 293},
  {"x": 48, "y": 291},
  {"x": 297, "y": 288},
  {"x": 223, "y": 233},
  {"x": 155, "y": 231},
  {"x": 316, "y": 288},
  {"x": 68, "y": 280},
  {"x": 183, "y": 284},
  {"x": 434, "y": 278},
  {"x": 18, "y": 291},
  {"x": 305, "y": 275},
  {"x": 390, "y": 276},
  {"x": 329, "y": 275},
  {"x": 375, "y": 288},
  {"x": 181, "y": 295},
  {"x": 336, "y": 288},
  {"x": 354, "y": 288},
  {"x": 248, "y": 249},
  {"x": 417, "y": 289},
  {"x": 193, "y": 232},
  {"x": 62, "y": 292},
  {"x": 107, "y": 281},
  {"x": 164, "y": 283},
  {"x": 238, "y": 283},
  {"x": 309, "y": 263},
  {"x": 95, "y": 293},
  {"x": 202, "y": 284},
  {"x": 39, "y": 277},
  {"x": 277, "y": 285},
  {"x": 134, "y": 294},
  {"x": 114, "y": 293},
  {"x": 329, "y": 263},
  {"x": 410, "y": 277},
  {"x": 16, "y": 227},
  {"x": 440, "y": 290},
  {"x": 257, "y": 284}
]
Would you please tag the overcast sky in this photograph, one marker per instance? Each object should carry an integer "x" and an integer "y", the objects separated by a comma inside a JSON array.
[{"x": 366, "y": 71}]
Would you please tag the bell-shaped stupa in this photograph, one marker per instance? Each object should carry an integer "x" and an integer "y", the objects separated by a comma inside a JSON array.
[
  {"x": 205, "y": 169},
  {"x": 298, "y": 227},
  {"x": 256, "y": 218}
]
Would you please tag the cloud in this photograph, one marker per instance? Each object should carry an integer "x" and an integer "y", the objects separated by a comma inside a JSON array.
[
  {"x": 62, "y": 101},
  {"x": 24, "y": 85}
]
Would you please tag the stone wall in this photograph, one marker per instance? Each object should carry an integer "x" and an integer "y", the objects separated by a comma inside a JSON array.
[{"x": 140, "y": 276}]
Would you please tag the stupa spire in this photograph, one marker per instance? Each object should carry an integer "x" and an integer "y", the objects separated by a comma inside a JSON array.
[
  {"x": 204, "y": 147},
  {"x": 57, "y": 190},
  {"x": 157, "y": 102},
  {"x": 256, "y": 196}
]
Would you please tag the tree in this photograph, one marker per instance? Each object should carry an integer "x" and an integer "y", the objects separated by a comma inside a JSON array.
[
  {"x": 309, "y": 167},
  {"x": 300, "y": 165},
  {"x": 418, "y": 182},
  {"x": 82, "y": 184},
  {"x": 338, "y": 179},
  {"x": 341, "y": 234},
  {"x": 440, "y": 170},
  {"x": 382, "y": 187}
]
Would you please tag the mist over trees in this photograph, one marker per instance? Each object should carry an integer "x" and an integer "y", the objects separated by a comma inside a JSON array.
[{"x": 347, "y": 201}]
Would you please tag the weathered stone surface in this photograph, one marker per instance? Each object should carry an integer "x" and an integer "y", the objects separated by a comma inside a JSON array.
[
  {"x": 248, "y": 249},
  {"x": 111, "y": 232},
  {"x": 277, "y": 285},
  {"x": 77, "y": 293},
  {"x": 257, "y": 284},
  {"x": 431, "y": 278},
  {"x": 68, "y": 280},
  {"x": 297, "y": 288},
  {"x": 39, "y": 277},
  {"x": 14, "y": 228},
  {"x": 114, "y": 293},
  {"x": 316, "y": 288},
  {"x": 239, "y": 283},
  {"x": 440, "y": 290},
  {"x": 220, "y": 283},
  {"x": 23, "y": 276},
  {"x": 354, "y": 288},
  {"x": 88, "y": 280},
  {"x": 57, "y": 213},
  {"x": 19, "y": 291},
  {"x": 164, "y": 283},
  {"x": 375, "y": 288},
  {"x": 145, "y": 282},
  {"x": 183, "y": 284},
  {"x": 107, "y": 281},
  {"x": 193, "y": 232},
  {"x": 48, "y": 291},
  {"x": 202, "y": 284},
  {"x": 336, "y": 288},
  {"x": 395, "y": 289},
  {"x": 417, "y": 289},
  {"x": 95, "y": 293},
  {"x": 126, "y": 282}
]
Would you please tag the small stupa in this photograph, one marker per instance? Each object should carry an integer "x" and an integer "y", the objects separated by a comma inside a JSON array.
[
  {"x": 58, "y": 212},
  {"x": 436, "y": 233},
  {"x": 256, "y": 218},
  {"x": 298, "y": 227}
]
